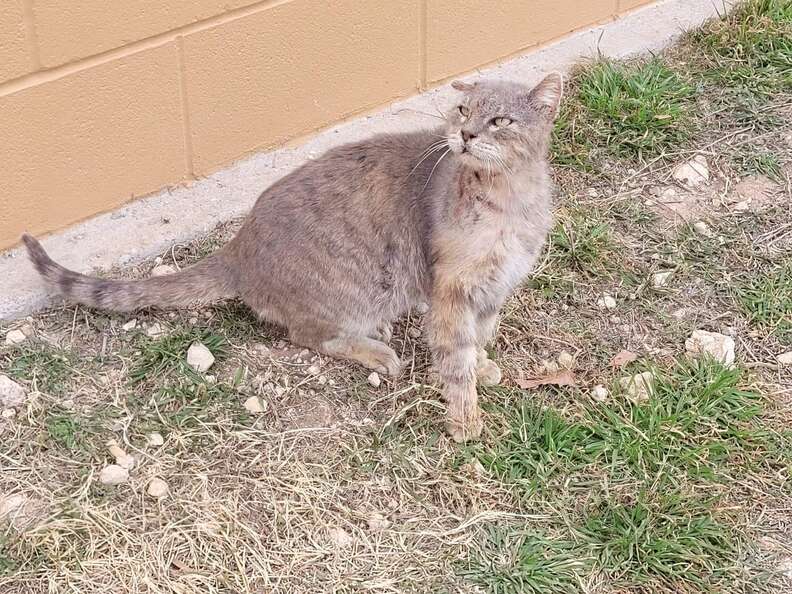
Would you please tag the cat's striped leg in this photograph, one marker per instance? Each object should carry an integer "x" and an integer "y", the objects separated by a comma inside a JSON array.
[
  {"x": 451, "y": 332},
  {"x": 489, "y": 374}
]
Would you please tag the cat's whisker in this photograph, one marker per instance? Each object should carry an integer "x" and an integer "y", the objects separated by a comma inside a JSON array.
[
  {"x": 431, "y": 115},
  {"x": 425, "y": 155},
  {"x": 431, "y": 173}
]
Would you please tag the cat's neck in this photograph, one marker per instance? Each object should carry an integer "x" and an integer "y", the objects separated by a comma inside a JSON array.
[{"x": 508, "y": 191}]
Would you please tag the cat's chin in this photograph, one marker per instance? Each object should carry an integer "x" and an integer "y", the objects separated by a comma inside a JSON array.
[{"x": 470, "y": 159}]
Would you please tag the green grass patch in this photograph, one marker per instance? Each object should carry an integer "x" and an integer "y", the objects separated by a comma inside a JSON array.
[
  {"x": 581, "y": 240},
  {"x": 65, "y": 430},
  {"x": 765, "y": 163},
  {"x": 514, "y": 562},
  {"x": 640, "y": 485},
  {"x": 633, "y": 111},
  {"x": 670, "y": 539},
  {"x": 167, "y": 355},
  {"x": 695, "y": 423},
  {"x": 749, "y": 49},
  {"x": 766, "y": 298},
  {"x": 48, "y": 367}
]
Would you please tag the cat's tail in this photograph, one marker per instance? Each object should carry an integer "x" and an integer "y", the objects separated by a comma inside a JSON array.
[{"x": 209, "y": 280}]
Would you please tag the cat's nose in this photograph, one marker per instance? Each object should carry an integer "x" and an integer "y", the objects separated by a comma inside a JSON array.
[{"x": 467, "y": 136}]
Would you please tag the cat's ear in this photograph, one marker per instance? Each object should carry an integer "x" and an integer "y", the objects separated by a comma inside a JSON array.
[
  {"x": 462, "y": 86},
  {"x": 547, "y": 94}
]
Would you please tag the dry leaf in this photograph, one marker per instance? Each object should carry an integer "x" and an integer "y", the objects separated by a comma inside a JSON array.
[
  {"x": 623, "y": 358},
  {"x": 562, "y": 378}
]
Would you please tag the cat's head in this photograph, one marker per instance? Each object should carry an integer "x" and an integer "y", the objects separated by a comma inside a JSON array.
[{"x": 501, "y": 125}]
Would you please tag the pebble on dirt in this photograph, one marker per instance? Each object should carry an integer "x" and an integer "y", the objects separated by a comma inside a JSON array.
[
  {"x": 15, "y": 337},
  {"x": 12, "y": 395},
  {"x": 157, "y": 488},
  {"x": 122, "y": 459},
  {"x": 606, "y": 302},
  {"x": 660, "y": 279},
  {"x": 693, "y": 173},
  {"x": 718, "y": 346},
  {"x": 340, "y": 537},
  {"x": 374, "y": 379},
  {"x": 255, "y": 405},
  {"x": 784, "y": 358},
  {"x": 566, "y": 360},
  {"x": 638, "y": 387},
  {"x": 599, "y": 393},
  {"x": 163, "y": 270},
  {"x": 155, "y": 439},
  {"x": 199, "y": 357},
  {"x": 113, "y": 474},
  {"x": 130, "y": 325},
  {"x": 703, "y": 229}
]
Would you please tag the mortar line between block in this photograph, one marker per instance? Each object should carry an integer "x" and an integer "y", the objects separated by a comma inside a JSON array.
[
  {"x": 188, "y": 146},
  {"x": 30, "y": 33}
]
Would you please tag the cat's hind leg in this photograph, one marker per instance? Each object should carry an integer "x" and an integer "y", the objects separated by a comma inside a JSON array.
[{"x": 370, "y": 353}]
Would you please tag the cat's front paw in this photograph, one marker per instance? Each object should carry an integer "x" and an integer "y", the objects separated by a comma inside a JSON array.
[
  {"x": 488, "y": 373},
  {"x": 467, "y": 429}
]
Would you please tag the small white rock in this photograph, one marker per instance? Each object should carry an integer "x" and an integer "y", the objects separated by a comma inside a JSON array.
[
  {"x": 255, "y": 405},
  {"x": 549, "y": 367},
  {"x": 340, "y": 537},
  {"x": 703, "y": 229},
  {"x": 163, "y": 270},
  {"x": 719, "y": 346},
  {"x": 123, "y": 459},
  {"x": 199, "y": 357},
  {"x": 374, "y": 379},
  {"x": 639, "y": 387},
  {"x": 155, "y": 439},
  {"x": 694, "y": 173},
  {"x": 130, "y": 325},
  {"x": 15, "y": 337},
  {"x": 660, "y": 279},
  {"x": 566, "y": 360},
  {"x": 606, "y": 302},
  {"x": 599, "y": 393},
  {"x": 414, "y": 332},
  {"x": 10, "y": 505},
  {"x": 12, "y": 395},
  {"x": 314, "y": 369},
  {"x": 742, "y": 206},
  {"x": 154, "y": 330},
  {"x": 474, "y": 467},
  {"x": 377, "y": 522},
  {"x": 784, "y": 358},
  {"x": 157, "y": 488},
  {"x": 113, "y": 475}
]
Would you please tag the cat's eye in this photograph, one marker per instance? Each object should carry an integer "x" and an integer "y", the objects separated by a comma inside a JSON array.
[
  {"x": 464, "y": 111},
  {"x": 501, "y": 122}
]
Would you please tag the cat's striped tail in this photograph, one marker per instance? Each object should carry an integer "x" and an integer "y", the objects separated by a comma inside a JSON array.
[{"x": 209, "y": 280}]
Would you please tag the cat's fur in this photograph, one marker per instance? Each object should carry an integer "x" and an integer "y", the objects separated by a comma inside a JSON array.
[{"x": 339, "y": 248}]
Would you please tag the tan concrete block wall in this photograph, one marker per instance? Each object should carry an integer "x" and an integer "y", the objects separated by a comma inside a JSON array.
[
  {"x": 454, "y": 29},
  {"x": 16, "y": 57},
  {"x": 102, "y": 102}
]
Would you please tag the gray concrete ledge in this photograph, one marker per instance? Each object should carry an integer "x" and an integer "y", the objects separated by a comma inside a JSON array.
[{"x": 148, "y": 226}]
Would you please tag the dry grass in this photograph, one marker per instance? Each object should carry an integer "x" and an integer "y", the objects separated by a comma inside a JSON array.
[{"x": 341, "y": 487}]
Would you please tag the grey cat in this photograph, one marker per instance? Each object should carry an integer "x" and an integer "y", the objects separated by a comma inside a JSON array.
[{"x": 344, "y": 245}]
